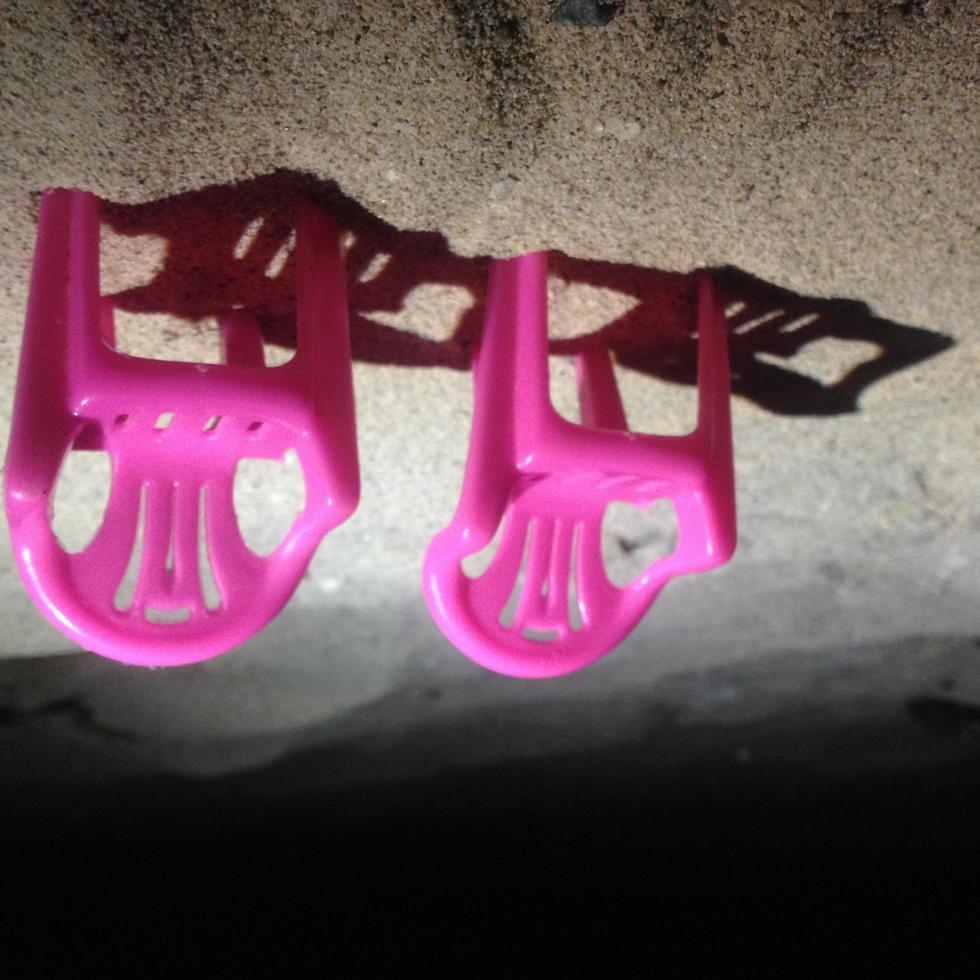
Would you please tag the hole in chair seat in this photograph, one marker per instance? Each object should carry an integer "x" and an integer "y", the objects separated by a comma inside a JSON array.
[
  {"x": 81, "y": 496},
  {"x": 476, "y": 564},
  {"x": 269, "y": 494},
  {"x": 633, "y": 538}
]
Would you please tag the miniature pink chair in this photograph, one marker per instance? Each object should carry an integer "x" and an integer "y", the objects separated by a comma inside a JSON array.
[
  {"x": 550, "y": 480},
  {"x": 74, "y": 390}
]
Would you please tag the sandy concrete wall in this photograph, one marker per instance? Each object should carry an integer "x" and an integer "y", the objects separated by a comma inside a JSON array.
[{"x": 827, "y": 149}]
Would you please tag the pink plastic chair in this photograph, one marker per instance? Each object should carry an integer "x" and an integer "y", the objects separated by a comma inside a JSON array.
[
  {"x": 550, "y": 481},
  {"x": 74, "y": 390}
]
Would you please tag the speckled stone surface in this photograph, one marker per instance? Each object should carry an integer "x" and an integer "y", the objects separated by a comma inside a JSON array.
[{"x": 829, "y": 147}]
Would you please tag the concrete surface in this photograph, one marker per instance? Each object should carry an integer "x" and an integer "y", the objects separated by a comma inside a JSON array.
[{"x": 821, "y": 156}]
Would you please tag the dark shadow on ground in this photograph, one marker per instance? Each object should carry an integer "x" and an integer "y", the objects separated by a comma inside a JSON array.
[
  {"x": 207, "y": 271},
  {"x": 711, "y": 745},
  {"x": 743, "y": 791}
]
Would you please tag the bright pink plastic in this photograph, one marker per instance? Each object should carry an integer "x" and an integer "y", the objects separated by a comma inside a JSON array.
[
  {"x": 550, "y": 481},
  {"x": 75, "y": 390}
]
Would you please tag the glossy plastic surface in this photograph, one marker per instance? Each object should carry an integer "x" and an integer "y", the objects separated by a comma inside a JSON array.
[
  {"x": 549, "y": 482},
  {"x": 172, "y": 484}
]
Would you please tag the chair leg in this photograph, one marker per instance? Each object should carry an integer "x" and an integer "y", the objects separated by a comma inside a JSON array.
[
  {"x": 598, "y": 395},
  {"x": 241, "y": 340}
]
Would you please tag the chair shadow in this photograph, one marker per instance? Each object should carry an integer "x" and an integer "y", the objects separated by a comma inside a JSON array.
[{"x": 222, "y": 249}]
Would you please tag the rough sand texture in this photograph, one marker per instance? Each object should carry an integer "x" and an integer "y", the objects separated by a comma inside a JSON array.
[
  {"x": 825, "y": 148},
  {"x": 829, "y": 147}
]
